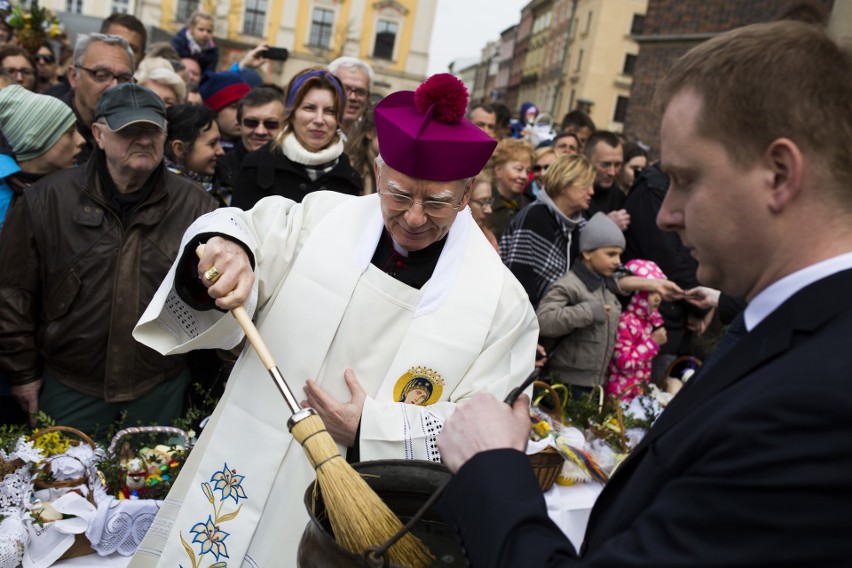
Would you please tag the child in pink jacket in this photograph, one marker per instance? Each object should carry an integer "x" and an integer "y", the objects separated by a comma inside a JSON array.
[{"x": 640, "y": 334}]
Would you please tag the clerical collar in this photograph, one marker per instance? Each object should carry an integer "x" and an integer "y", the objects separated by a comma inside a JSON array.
[
  {"x": 396, "y": 246},
  {"x": 413, "y": 268}
]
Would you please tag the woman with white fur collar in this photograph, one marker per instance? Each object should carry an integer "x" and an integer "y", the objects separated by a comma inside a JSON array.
[{"x": 307, "y": 153}]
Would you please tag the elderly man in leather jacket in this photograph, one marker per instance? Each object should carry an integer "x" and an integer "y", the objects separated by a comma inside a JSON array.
[{"x": 82, "y": 255}]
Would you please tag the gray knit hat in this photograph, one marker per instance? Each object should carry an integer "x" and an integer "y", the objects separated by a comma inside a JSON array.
[
  {"x": 600, "y": 231},
  {"x": 32, "y": 123}
]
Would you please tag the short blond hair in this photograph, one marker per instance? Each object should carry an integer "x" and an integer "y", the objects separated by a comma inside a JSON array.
[
  {"x": 510, "y": 149},
  {"x": 542, "y": 152},
  {"x": 566, "y": 171},
  {"x": 199, "y": 15},
  {"x": 768, "y": 81}
]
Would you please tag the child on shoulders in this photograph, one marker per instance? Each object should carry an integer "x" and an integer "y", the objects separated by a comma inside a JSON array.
[{"x": 195, "y": 40}]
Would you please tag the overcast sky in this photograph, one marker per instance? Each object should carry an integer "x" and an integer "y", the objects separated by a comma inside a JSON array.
[{"x": 463, "y": 27}]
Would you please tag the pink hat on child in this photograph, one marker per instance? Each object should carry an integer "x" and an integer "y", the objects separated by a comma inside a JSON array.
[
  {"x": 424, "y": 133},
  {"x": 645, "y": 269}
]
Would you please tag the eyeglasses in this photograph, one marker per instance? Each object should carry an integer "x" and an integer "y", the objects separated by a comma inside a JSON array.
[
  {"x": 537, "y": 168},
  {"x": 106, "y": 76},
  {"x": 44, "y": 58},
  {"x": 357, "y": 91},
  {"x": 25, "y": 72},
  {"x": 267, "y": 124},
  {"x": 484, "y": 202},
  {"x": 433, "y": 208}
]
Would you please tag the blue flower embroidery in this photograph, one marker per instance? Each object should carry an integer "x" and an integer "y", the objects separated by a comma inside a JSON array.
[
  {"x": 229, "y": 483},
  {"x": 211, "y": 538}
]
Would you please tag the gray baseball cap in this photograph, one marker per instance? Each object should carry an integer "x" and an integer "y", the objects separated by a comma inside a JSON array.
[{"x": 129, "y": 103}]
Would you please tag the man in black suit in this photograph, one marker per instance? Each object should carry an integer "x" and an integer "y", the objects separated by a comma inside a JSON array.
[{"x": 751, "y": 464}]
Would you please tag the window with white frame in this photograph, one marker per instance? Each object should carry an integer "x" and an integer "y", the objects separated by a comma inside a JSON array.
[
  {"x": 322, "y": 26},
  {"x": 254, "y": 17},
  {"x": 386, "y": 32},
  {"x": 185, "y": 8},
  {"x": 74, "y": 6},
  {"x": 120, "y": 6}
]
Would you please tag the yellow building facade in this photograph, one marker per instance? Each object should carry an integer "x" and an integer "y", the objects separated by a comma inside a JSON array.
[
  {"x": 601, "y": 54},
  {"x": 393, "y": 36}
]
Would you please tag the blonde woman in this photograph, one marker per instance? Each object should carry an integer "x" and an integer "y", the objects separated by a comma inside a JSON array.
[{"x": 542, "y": 240}]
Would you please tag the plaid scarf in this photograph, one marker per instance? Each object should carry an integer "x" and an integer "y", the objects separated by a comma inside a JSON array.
[{"x": 537, "y": 246}]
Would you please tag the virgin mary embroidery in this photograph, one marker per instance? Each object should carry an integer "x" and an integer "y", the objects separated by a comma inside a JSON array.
[{"x": 419, "y": 386}]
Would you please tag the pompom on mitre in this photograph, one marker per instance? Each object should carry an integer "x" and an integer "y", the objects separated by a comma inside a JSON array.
[{"x": 447, "y": 93}]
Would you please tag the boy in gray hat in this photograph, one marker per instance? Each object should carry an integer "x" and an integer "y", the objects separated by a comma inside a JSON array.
[{"x": 582, "y": 309}]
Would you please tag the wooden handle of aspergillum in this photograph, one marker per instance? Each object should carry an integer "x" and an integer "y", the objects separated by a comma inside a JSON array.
[{"x": 250, "y": 330}]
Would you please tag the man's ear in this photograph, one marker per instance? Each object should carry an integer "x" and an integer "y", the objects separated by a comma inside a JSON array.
[
  {"x": 72, "y": 76},
  {"x": 785, "y": 163},
  {"x": 178, "y": 149},
  {"x": 98, "y": 134},
  {"x": 468, "y": 192}
]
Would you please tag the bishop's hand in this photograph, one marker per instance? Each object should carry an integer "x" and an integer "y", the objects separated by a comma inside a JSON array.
[{"x": 341, "y": 418}]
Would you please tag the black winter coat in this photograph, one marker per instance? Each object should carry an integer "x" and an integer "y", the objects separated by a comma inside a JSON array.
[{"x": 266, "y": 172}]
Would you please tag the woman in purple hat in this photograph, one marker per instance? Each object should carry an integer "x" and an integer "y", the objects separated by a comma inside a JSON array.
[{"x": 307, "y": 154}]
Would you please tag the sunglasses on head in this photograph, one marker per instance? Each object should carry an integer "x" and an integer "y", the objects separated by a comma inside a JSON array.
[
  {"x": 267, "y": 124},
  {"x": 44, "y": 58}
]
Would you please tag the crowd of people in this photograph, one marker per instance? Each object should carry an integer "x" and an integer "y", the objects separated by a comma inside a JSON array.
[
  {"x": 218, "y": 129},
  {"x": 562, "y": 248},
  {"x": 241, "y": 140}
]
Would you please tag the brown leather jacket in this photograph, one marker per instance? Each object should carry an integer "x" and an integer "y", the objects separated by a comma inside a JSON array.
[{"x": 74, "y": 281}]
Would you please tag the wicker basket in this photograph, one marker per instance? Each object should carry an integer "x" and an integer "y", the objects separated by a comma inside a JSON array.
[
  {"x": 41, "y": 483},
  {"x": 121, "y": 535},
  {"x": 547, "y": 464},
  {"x": 81, "y": 545}
]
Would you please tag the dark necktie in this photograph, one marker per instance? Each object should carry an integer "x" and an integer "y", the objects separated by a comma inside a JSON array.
[{"x": 736, "y": 330}]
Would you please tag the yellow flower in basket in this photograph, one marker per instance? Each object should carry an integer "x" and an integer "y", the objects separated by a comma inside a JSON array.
[{"x": 51, "y": 443}]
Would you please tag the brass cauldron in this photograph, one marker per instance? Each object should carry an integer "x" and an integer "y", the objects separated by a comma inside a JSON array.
[{"x": 404, "y": 485}]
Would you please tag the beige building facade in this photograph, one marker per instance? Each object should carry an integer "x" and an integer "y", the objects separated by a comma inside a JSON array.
[
  {"x": 392, "y": 35},
  {"x": 601, "y": 56}
]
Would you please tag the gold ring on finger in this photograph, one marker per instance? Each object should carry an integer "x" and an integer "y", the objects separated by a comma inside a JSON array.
[{"x": 212, "y": 274}]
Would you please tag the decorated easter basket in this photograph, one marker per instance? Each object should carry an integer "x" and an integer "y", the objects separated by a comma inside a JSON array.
[
  {"x": 46, "y": 479},
  {"x": 125, "y": 513},
  {"x": 48, "y": 476},
  {"x": 548, "y": 462}
]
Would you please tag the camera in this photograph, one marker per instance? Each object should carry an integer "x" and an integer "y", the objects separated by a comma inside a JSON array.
[{"x": 276, "y": 53}]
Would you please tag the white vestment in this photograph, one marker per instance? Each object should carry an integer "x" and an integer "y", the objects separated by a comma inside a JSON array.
[{"x": 323, "y": 307}]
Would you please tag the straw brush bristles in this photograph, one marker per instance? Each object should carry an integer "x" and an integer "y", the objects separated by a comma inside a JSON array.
[{"x": 358, "y": 517}]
